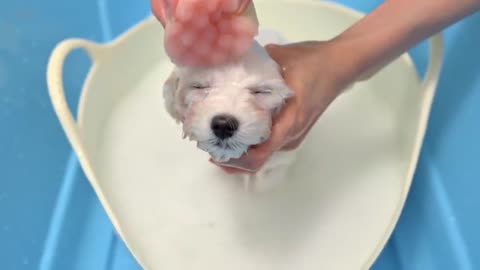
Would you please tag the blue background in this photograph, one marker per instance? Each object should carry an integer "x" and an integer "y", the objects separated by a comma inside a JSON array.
[{"x": 50, "y": 219}]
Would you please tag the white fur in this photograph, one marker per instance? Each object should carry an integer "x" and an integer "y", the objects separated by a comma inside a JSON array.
[{"x": 251, "y": 89}]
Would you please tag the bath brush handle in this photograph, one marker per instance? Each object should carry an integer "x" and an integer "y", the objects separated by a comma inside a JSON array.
[{"x": 57, "y": 92}]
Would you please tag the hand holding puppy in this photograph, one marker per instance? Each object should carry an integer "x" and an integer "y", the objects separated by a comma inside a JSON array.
[
  {"x": 316, "y": 73},
  {"x": 319, "y": 71}
]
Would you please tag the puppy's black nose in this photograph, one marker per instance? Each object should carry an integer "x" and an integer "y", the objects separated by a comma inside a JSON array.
[{"x": 224, "y": 126}]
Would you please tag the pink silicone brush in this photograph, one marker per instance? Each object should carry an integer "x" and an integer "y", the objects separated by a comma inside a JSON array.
[{"x": 206, "y": 32}]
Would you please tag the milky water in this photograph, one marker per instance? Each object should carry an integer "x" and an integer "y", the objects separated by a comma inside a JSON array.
[{"x": 179, "y": 212}]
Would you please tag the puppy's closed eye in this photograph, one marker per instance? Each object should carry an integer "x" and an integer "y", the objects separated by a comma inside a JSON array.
[
  {"x": 260, "y": 90},
  {"x": 199, "y": 86}
]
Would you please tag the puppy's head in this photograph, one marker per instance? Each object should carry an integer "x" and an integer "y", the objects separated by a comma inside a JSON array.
[{"x": 226, "y": 109}]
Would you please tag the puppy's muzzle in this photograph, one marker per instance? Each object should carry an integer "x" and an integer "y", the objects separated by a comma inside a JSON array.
[{"x": 224, "y": 126}]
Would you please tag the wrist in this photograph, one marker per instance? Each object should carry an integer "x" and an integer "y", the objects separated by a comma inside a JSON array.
[
  {"x": 393, "y": 28},
  {"x": 366, "y": 50},
  {"x": 330, "y": 61},
  {"x": 347, "y": 63}
]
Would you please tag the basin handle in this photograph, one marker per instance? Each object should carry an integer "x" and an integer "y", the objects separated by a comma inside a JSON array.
[
  {"x": 96, "y": 52},
  {"x": 429, "y": 84},
  {"x": 57, "y": 92},
  {"x": 435, "y": 57}
]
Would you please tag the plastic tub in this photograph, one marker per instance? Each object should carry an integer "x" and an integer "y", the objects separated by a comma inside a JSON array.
[{"x": 50, "y": 218}]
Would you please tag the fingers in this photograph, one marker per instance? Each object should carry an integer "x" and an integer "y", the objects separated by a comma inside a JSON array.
[
  {"x": 275, "y": 51},
  {"x": 159, "y": 10},
  {"x": 243, "y": 5},
  {"x": 206, "y": 33},
  {"x": 257, "y": 155},
  {"x": 295, "y": 143},
  {"x": 162, "y": 8},
  {"x": 283, "y": 56},
  {"x": 281, "y": 129},
  {"x": 229, "y": 170}
]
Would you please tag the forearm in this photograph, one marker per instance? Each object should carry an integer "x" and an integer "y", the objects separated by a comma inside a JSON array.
[{"x": 395, "y": 27}]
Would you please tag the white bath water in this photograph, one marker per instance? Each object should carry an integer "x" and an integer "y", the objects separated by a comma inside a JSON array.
[{"x": 179, "y": 212}]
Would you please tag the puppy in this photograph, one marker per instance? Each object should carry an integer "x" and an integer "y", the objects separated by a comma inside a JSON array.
[{"x": 226, "y": 109}]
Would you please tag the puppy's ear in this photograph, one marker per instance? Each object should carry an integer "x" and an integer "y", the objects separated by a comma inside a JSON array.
[
  {"x": 281, "y": 88},
  {"x": 282, "y": 92},
  {"x": 170, "y": 92}
]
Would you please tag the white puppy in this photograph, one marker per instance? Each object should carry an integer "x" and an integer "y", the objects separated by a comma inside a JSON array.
[{"x": 226, "y": 109}]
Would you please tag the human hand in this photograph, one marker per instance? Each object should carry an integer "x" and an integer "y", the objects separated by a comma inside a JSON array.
[
  {"x": 317, "y": 72},
  {"x": 206, "y": 32}
]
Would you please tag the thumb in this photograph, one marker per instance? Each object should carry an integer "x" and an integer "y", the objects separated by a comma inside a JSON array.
[
  {"x": 257, "y": 155},
  {"x": 275, "y": 51},
  {"x": 281, "y": 129},
  {"x": 159, "y": 10}
]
